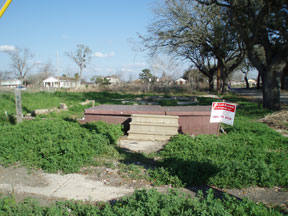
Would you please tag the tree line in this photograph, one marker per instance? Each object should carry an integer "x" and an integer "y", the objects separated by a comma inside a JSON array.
[
  {"x": 21, "y": 62},
  {"x": 219, "y": 36}
]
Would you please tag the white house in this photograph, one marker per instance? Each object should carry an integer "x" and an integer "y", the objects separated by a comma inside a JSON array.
[
  {"x": 10, "y": 83},
  {"x": 113, "y": 80},
  {"x": 180, "y": 81},
  {"x": 252, "y": 82},
  {"x": 61, "y": 82}
]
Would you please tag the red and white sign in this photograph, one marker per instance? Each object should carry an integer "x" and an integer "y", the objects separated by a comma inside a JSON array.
[{"x": 223, "y": 112}]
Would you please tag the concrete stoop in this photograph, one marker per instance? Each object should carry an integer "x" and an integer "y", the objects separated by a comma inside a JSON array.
[{"x": 153, "y": 127}]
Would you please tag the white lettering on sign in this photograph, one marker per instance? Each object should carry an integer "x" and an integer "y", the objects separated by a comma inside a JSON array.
[{"x": 223, "y": 113}]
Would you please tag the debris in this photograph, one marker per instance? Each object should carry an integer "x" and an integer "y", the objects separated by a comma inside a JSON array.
[
  {"x": 277, "y": 120},
  {"x": 63, "y": 106}
]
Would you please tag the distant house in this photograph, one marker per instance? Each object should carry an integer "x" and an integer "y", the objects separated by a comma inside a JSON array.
[
  {"x": 180, "y": 81},
  {"x": 252, "y": 82},
  {"x": 61, "y": 82},
  {"x": 113, "y": 80},
  {"x": 10, "y": 83},
  {"x": 138, "y": 81},
  {"x": 165, "y": 80}
]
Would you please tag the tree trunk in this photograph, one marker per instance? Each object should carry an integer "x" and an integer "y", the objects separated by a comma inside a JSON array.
[
  {"x": 283, "y": 76},
  {"x": 80, "y": 75},
  {"x": 271, "y": 88},
  {"x": 211, "y": 83},
  {"x": 258, "y": 81},
  {"x": 224, "y": 87},
  {"x": 246, "y": 81}
]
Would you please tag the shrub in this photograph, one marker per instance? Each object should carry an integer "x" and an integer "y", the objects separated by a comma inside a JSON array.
[
  {"x": 111, "y": 131},
  {"x": 50, "y": 144}
]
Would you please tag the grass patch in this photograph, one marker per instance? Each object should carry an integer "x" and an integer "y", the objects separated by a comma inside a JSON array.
[
  {"x": 48, "y": 100},
  {"x": 171, "y": 102},
  {"x": 52, "y": 145},
  {"x": 111, "y": 131},
  {"x": 143, "y": 202},
  {"x": 249, "y": 154}
]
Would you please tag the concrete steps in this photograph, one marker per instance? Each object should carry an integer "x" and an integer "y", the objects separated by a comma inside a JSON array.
[{"x": 153, "y": 127}]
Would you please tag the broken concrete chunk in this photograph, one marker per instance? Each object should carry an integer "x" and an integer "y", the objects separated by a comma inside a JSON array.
[{"x": 63, "y": 106}]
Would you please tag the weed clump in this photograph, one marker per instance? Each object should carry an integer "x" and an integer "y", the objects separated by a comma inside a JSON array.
[
  {"x": 249, "y": 154},
  {"x": 52, "y": 145},
  {"x": 111, "y": 131},
  {"x": 143, "y": 202}
]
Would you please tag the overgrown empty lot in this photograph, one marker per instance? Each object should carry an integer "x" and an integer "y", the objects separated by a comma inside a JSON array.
[{"x": 246, "y": 155}]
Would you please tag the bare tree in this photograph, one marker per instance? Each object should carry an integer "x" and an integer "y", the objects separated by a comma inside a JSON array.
[
  {"x": 20, "y": 62},
  {"x": 195, "y": 78},
  {"x": 81, "y": 56},
  {"x": 166, "y": 67},
  {"x": 5, "y": 75},
  {"x": 260, "y": 24},
  {"x": 245, "y": 67},
  {"x": 196, "y": 33},
  {"x": 44, "y": 71}
]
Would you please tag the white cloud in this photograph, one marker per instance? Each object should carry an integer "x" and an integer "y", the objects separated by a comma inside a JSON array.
[
  {"x": 103, "y": 55},
  {"x": 7, "y": 48}
]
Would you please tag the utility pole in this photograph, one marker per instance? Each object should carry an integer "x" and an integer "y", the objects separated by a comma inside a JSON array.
[
  {"x": 18, "y": 104},
  {"x": 57, "y": 62}
]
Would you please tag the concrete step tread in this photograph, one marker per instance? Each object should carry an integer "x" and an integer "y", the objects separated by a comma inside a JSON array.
[
  {"x": 155, "y": 116},
  {"x": 154, "y": 124},
  {"x": 152, "y": 132},
  {"x": 148, "y": 137},
  {"x": 149, "y": 129}
]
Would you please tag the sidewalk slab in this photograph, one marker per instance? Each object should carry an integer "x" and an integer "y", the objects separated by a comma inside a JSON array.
[
  {"x": 80, "y": 188},
  {"x": 71, "y": 186}
]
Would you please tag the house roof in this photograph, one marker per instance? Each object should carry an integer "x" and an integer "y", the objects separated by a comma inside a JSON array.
[
  {"x": 56, "y": 79},
  {"x": 51, "y": 79},
  {"x": 67, "y": 78},
  {"x": 180, "y": 79}
]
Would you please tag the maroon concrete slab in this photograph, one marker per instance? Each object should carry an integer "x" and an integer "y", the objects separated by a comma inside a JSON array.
[
  {"x": 188, "y": 110},
  {"x": 192, "y": 119},
  {"x": 126, "y": 110},
  {"x": 120, "y": 114}
]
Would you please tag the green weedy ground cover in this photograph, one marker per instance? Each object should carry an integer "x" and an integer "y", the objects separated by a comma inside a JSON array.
[
  {"x": 143, "y": 202},
  {"x": 249, "y": 154},
  {"x": 47, "y": 100},
  {"x": 52, "y": 145},
  {"x": 113, "y": 133}
]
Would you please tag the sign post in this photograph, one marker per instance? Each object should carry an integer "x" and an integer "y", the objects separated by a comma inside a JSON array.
[
  {"x": 223, "y": 112},
  {"x": 18, "y": 105}
]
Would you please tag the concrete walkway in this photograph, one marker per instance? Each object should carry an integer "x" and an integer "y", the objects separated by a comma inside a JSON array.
[
  {"x": 48, "y": 188},
  {"x": 71, "y": 186},
  {"x": 141, "y": 145},
  {"x": 35, "y": 183}
]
